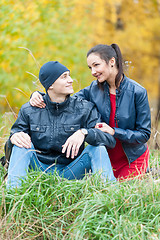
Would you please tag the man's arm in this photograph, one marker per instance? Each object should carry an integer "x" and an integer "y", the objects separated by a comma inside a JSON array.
[
  {"x": 96, "y": 136},
  {"x": 19, "y": 135},
  {"x": 36, "y": 98},
  {"x": 93, "y": 137}
]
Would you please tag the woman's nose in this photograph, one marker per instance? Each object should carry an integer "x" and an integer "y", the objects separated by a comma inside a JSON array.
[{"x": 93, "y": 71}]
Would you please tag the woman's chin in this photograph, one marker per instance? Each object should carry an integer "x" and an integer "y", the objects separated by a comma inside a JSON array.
[{"x": 100, "y": 80}]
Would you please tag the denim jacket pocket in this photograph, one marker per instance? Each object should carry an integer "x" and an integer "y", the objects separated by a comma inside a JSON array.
[
  {"x": 38, "y": 128},
  {"x": 71, "y": 128}
]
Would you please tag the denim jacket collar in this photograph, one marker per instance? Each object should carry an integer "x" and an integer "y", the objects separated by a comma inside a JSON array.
[{"x": 54, "y": 106}]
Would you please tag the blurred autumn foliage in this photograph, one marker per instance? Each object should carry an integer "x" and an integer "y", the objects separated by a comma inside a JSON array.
[{"x": 33, "y": 32}]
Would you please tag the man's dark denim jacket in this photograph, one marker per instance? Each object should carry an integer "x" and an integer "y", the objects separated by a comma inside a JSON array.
[
  {"x": 50, "y": 127},
  {"x": 132, "y": 114}
]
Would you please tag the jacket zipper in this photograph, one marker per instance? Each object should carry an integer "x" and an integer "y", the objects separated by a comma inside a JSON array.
[
  {"x": 57, "y": 106},
  {"x": 56, "y": 123}
]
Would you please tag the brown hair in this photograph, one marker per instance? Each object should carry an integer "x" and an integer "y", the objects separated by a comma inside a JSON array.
[{"x": 106, "y": 52}]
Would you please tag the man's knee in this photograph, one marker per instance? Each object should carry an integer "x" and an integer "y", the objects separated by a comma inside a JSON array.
[
  {"x": 23, "y": 149},
  {"x": 19, "y": 153},
  {"x": 96, "y": 148}
]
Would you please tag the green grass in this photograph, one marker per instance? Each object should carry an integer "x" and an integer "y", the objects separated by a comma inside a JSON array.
[{"x": 49, "y": 207}]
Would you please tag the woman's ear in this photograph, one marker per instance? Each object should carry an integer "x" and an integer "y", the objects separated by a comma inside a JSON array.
[{"x": 112, "y": 62}]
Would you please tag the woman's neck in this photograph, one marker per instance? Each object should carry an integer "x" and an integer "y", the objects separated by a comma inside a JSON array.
[
  {"x": 112, "y": 90},
  {"x": 112, "y": 85}
]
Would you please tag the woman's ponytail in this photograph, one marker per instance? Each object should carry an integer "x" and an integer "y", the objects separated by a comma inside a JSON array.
[{"x": 118, "y": 63}]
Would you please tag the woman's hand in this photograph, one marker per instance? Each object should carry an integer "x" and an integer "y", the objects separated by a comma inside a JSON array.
[
  {"x": 104, "y": 127},
  {"x": 37, "y": 100},
  {"x": 21, "y": 139},
  {"x": 73, "y": 144}
]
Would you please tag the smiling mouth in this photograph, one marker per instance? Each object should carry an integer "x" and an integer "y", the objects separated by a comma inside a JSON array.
[{"x": 98, "y": 75}]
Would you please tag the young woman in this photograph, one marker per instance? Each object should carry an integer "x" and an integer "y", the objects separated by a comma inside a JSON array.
[{"x": 124, "y": 107}]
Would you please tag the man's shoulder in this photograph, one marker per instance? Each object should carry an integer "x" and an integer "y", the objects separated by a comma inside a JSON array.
[{"x": 26, "y": 107}]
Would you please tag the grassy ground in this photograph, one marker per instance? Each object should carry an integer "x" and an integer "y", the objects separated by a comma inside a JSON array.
[{"x": 47, "y": 207}]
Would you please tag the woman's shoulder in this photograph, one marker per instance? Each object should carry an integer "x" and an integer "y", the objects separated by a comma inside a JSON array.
[
  {"x": 134, "y": 86},
  {"x": 136, "y": 89},
  {"x": 94, "y": 84}
]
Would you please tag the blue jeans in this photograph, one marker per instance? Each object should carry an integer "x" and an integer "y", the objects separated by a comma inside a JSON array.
[{"x": 93, "y": 157}]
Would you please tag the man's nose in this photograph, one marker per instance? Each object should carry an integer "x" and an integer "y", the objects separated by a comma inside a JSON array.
[{"x": 70, "y": 79}]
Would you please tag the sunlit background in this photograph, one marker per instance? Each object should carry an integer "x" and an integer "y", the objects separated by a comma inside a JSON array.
[{"x": 34, "y": 32}]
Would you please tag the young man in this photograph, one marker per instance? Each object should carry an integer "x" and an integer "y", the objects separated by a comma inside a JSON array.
[{"x": 52, "y": 138}]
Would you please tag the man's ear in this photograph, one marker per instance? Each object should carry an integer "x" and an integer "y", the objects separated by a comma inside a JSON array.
[{"x": 50, "y": 88}]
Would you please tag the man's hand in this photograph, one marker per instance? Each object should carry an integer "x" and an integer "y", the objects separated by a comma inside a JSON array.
[
  {"x": 73, "y": 144},
  {"x": 104, "y": 127},
  {"x": 37, "y": 100},
  {"x": 21, "y": 139}
]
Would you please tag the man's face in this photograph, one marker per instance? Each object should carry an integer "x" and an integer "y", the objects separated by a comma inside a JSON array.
[{"x": 62, "y": 86}]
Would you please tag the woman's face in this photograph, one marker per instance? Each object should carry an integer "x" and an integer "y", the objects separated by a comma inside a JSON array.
[{"x": 99, "y": 68}]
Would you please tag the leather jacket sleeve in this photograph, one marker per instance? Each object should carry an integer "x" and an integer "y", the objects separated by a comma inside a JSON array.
[
  {"x": 84, "y": 93},
  {"x": 21, "y": 124},
  {"x": 42, "y": 93},
  {"x": 142, "y": 131},
  {"x": 95, "y": 136}
]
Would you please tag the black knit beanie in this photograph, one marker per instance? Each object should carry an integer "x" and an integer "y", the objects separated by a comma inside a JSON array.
[{"x": 50, "y": 72}]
